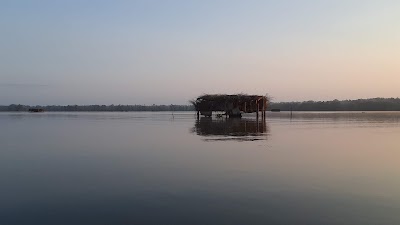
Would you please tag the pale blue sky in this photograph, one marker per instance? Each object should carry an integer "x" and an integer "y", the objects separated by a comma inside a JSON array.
[{"x": 163, "y": 52}]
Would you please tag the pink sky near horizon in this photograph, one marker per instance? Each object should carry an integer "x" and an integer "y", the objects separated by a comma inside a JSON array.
[{"x": 72, "y": 52}]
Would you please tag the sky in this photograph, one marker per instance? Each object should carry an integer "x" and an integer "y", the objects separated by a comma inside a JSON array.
[{"x": 168, "y": 52}]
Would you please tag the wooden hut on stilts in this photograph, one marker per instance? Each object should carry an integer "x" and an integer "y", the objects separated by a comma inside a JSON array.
[{"x": 231, "y": 105}]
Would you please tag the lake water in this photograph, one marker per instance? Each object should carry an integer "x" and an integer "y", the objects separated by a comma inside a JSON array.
[{"x": 159, "y": 168}]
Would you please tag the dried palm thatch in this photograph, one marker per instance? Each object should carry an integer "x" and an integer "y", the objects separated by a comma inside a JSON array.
[{"x": 223, "y": 102}]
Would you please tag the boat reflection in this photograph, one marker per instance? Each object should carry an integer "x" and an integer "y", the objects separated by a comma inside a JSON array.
[{"x": 227, "y": 129}]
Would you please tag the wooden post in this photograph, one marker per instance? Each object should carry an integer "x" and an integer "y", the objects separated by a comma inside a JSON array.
[
  {"x": 291, "y": 111},
  {"x": 263, "y": 108},
  {"x": 258, "y": 108}
]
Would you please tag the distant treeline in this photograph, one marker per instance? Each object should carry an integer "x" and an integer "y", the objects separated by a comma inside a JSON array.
[
  {"x": 374, "y": 104},
  {"x": 98, "y": 108}
]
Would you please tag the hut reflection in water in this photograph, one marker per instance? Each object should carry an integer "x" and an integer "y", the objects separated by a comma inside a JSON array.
[{"x": 237, "y": 129}]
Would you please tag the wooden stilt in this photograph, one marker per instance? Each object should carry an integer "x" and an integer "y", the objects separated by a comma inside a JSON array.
[
  {"x": 258, "y": 108},
  {"x": 263, "y": 108}
]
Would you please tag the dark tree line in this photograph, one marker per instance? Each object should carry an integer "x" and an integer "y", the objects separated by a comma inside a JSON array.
[
  {"x": 99, "y": 108},
  {"x": 373, "y": 104}
]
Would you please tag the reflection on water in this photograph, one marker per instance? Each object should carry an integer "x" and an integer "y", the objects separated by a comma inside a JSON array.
[
  {"x": 374, "y": 117},
  {"x": 157, "y": 168},
  {"x": 225, "y": 129}
]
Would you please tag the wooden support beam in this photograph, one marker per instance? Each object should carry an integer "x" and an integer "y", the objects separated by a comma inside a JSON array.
[
  {"x": 263, "y": 108},
  {"x": 258, "y": 108}
]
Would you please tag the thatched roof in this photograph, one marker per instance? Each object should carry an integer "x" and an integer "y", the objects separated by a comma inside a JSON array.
[
  {"x": 218, "y": 101},
  {"x": 226, "y": 98}
]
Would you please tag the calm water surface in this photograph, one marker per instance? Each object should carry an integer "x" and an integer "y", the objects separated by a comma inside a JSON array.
[{"x": 155, "y": 168}]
